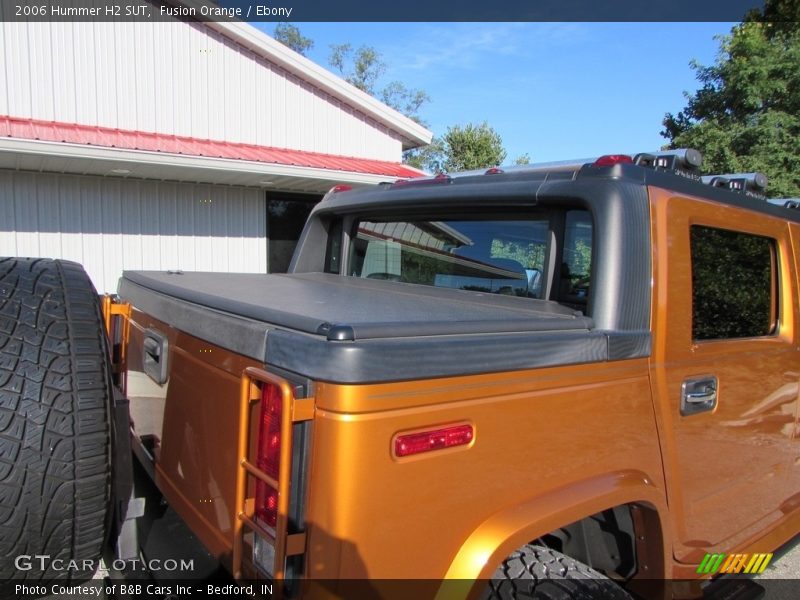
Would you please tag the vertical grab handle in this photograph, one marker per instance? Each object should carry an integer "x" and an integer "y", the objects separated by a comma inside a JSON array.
[{"x": 155, "y": 356}]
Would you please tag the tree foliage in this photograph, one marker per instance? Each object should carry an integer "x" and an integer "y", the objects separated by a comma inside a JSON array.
[
  {"x": 472, "y": 147},
  {"x": 364, "y": 67},
  {"x": 289, "y": 35},
  {"x": 461, "y": 149},
  {"x": 746, "y": 115}
]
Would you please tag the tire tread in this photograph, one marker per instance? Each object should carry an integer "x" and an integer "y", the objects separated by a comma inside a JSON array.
[
  {"x": 541, "y": 573},
  {"x": 55, "y": 395}
]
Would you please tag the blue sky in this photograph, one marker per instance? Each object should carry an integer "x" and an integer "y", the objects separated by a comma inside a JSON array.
[{"x": 552, "y": 90}]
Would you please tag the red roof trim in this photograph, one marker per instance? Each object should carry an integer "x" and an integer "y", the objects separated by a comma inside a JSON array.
[{"x": 73, "y": 133}]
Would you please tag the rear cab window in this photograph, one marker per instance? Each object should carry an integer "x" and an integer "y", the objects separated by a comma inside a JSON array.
[{"x": 545, "y": 254}]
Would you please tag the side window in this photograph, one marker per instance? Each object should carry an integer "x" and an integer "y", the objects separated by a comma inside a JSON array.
[
  {"x": 576, "y": 266},
  {"x": 529, "y": 253},
  {"x": 734, "y": 284},
  {"x": 334, "y": 247}
]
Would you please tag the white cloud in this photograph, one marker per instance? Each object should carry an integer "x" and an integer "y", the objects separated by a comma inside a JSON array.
[{"x": 464, "y": 45}]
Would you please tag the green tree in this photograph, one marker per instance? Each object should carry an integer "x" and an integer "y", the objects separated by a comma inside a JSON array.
[
  {"x": 289, "y": 35},
  {"x": 364, "y": 67},
  {"x": 461, "y": 149},
  {"x": 428, "y": 158},
  {"x": 405, "y": 100},
  {"x": 472, "y": 147},
  {"x": 746, "y": 115}
]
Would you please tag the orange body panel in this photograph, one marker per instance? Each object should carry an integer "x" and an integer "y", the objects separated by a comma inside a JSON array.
[
  {"x": 196, "y": 449},
  {"x": 551, "y": 446}
]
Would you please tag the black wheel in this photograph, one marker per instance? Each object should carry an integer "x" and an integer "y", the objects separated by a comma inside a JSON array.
[
  {"x": 544, "y": 574},
  {"x": 55, "y": 399}
]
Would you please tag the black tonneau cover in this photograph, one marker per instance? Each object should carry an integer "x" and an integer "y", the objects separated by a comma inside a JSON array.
[
  {"x": 348, "y": 308},
  {"x": 333, "y": 328}
]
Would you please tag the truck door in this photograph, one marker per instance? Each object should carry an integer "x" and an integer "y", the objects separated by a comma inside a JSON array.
[{"x": 724, "y": 368}]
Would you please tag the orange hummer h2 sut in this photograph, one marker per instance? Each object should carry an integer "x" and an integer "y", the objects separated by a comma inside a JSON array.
[{"x": 578, "y": 380}]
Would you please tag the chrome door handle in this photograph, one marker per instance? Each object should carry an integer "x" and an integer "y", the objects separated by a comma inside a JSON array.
[
  {"x": 698, "y": 394},
  {"x": 701, "y": 397}
]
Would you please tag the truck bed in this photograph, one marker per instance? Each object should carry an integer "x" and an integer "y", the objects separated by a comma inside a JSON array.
[{"x": 334, "y": 328}]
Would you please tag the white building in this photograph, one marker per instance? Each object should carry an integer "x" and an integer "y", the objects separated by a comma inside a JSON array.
[{"x": 176, "y": 145}]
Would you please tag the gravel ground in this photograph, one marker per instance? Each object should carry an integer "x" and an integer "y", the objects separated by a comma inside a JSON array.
[
  {"x": 787, "y": 566},
  {"x": 782, "y": 577}
]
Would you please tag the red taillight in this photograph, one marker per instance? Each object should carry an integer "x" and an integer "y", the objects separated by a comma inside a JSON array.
[
  {"x": 437, "y": 439},
  {"x": 494, "y": 171},
  {"x": 610, "y": 160},
  {"x": 269, "y": 452},
  {"x": 342, "y": 187}
]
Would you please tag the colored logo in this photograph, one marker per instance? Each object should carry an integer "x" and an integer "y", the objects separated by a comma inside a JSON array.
[{"x": 734, "y": 563}]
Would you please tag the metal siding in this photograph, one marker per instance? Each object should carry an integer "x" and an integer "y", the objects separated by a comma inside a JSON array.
[
  {"x": 8, "y": 242},
  {"x": 18, "y": 72},
  {"x": 198, "y": 58},
  {"x": 3, "y": 61},
  {"x": 178, "y": 79},
  {"x": 147, "y": 107},
  {"x": 260, "y": 123},
  {"x": 278, "y": 102},
  {"x": 179, "y": 69},
  {"x": 163, "y": 78},
  {"x": 102, "y": 77},
  {"x": 64, "y": 69},
  {"x": 110, "y": 224}
]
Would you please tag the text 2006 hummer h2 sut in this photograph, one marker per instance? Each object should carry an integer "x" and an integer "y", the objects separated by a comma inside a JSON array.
[{"x": 575, "y": 379}]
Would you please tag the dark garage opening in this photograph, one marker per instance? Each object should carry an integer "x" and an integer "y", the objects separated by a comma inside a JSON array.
[{"x": 286, "y": 215}]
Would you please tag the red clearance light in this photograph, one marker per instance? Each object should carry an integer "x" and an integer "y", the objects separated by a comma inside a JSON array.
[
  {"x": 342, "y": 187},
  {"x": 437, "y": 439},
  {"x": 494, "y": 171},
  {"x": 269, "y": 452},
  {"x": 610, "y": 160}
]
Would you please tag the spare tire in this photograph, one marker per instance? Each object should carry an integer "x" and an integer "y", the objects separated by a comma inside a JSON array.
[{"x": 55, "y": 407}]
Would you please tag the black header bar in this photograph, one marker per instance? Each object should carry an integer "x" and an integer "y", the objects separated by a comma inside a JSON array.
[{"x": 299, "y": 11}]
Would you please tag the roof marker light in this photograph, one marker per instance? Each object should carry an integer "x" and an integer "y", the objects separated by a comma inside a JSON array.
[
  {"x": 342, "y": 187},
  {"x": 494, "y": 171},
  {"x": 609, "y": 160}
]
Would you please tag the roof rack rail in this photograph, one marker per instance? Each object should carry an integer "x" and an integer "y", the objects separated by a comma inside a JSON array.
[
  {"x": 558, "y": 165},
  {"x": 750, "y": 184},
  {"x": 682, "y": 161},
  {"x": 561, "y": 165},
  {"x": 785, "y": 202}
]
